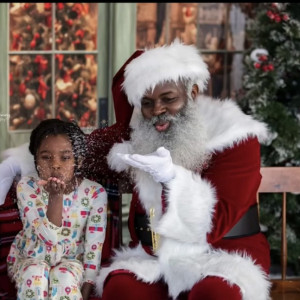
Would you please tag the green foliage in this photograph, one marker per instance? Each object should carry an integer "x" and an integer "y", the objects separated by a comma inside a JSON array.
[{"x": 271, "y": 93}]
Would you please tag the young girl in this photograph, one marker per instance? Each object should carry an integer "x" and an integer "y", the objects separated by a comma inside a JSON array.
[{"x": 57, "y": 254}]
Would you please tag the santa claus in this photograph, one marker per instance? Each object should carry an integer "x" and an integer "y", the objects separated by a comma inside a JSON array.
[{"x": 195, "y": 164}]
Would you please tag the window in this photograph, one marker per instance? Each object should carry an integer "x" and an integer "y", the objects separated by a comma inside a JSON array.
[
  {"x": 52, "y": 63},
  {"x": 217, "y": 29}
]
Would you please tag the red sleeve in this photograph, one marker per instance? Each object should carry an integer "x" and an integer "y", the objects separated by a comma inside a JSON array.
[
  {"x": 99, "y": 143},
  {"x": 235, "y": 174}
]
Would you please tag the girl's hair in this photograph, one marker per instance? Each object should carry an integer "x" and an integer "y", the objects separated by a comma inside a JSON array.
[{"x": 56, "y": 127}]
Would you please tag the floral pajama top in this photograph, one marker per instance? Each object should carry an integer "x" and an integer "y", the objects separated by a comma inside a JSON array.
[{"x": 80, "y": 237}]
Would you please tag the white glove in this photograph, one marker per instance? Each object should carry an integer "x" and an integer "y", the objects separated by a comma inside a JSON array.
[
  {"x": 159, "y": 164},
  {"x": 9, "y": 168}
]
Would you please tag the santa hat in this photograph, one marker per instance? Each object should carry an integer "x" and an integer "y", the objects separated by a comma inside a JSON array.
[
  {"x": 167, "y": 63},
  {"x": 123, "y": 110}
]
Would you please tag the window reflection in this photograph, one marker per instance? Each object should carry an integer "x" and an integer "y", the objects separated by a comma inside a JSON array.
[
  {"x": 217, "y": 29},
  {"x": 75, "y": 88},
  {"x": 30, "y": 26},
  {"x": 75, "y": 26},
  {"x": 36, "y": 54},
  {"x": 29, "y": 90}
]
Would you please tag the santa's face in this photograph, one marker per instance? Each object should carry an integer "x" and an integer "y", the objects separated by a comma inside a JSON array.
[
  {"x": 184, "y": 135},
  {"x": 162, "y": 103}
]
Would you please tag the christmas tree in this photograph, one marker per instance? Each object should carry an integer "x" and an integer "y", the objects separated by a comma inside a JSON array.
[{"x": 271, "y": 94}]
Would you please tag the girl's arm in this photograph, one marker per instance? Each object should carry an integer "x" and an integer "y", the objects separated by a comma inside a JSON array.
[
  {"x": 95, "y": 233},
  {"x": 32, "y": 206}
]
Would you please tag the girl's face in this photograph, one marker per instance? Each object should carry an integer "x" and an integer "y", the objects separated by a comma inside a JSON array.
[{"x": 55, "y": 158}]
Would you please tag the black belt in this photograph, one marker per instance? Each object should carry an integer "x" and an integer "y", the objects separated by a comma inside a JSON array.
[{"x": 246, "y": 226}]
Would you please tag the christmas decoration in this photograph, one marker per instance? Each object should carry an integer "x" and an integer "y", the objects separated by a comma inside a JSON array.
[
  {"x": 30, "y": 77},
  {"x": 271, "y": 93},
  {"x": 30, "y": 92}
]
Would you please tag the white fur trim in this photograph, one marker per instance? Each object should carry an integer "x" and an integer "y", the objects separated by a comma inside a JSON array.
[
  {"x": 114, "y": 161},
  {"x": 226, "y": 124},
  {"x": 136, "y": 260},
  {"x": 157, "y": 65},
  {"x": 149, "y": 192},
  {"x": 193, "y": 219},
  {"x": 22, "y": 157},
  {"x": 185, "y": 265}
]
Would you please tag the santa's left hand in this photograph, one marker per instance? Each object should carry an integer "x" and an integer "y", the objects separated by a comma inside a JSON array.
[{"x": 159, "y": 164}]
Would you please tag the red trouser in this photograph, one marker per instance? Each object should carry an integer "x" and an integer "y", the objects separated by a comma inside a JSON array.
[{"x": 124, "y": 286}]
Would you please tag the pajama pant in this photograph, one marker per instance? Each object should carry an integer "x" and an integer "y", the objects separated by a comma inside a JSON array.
[
  {"x": 36, "y": 280},
  {"x": 124, "y": 286}
]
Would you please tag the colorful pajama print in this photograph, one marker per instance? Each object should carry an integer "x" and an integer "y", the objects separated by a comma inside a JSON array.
[{"x": 51, "y": 262}]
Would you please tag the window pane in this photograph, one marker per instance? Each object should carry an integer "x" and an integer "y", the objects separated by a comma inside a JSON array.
[
  {"x": 35, "y": 56},
  {"x": 30, "y": 90},
  {"x": 76, "y": 26},
  {"x": 212, "y": 26},
  {"x": 183, "y": 22},
  {"x": 147, "y": 24},
  {"x": 30, "y": 26},
  {"x": 75, "y": 88}
]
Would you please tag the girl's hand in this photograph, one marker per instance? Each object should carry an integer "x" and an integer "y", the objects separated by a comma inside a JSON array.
[{"x": 53, "y": 185}]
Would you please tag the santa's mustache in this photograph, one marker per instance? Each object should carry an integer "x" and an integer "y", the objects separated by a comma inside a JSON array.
[{"x": 164, "y": 118}]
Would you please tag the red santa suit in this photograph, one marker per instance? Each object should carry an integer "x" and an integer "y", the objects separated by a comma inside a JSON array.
[{"x": 200, "y": 208}]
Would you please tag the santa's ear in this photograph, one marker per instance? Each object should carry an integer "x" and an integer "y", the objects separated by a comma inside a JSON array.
[{"x": 195, "y": 91}]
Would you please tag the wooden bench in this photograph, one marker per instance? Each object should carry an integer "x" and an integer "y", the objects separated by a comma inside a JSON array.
[{"x": 282, "y": 180}]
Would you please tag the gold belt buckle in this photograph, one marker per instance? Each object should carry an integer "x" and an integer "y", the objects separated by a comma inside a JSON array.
[{"x": 154, "y": 235}]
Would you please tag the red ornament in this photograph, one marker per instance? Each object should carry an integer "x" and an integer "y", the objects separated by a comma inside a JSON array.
[
  {"x": 80, "y": 33},
  {"x": 257, "y": 65},
  {"x": 263, "y": 58},
  {"x": 277, "y": 18},
  {"x": 32, "y": 44},
  {"x": 270, "y": 67},
  {"x": 84, "y": 119},
  {"x": 36, "y": 36},
  {"x": 49, "y": 21},
  {"x": 43, "y": 88},
  {"x": 22, "y": 89},
  {"x": 265, "y": 68},
  {"x": 47, "y": 6},
  {"x": 270, "y": 14},
  {"x": 285, "y": 17},
  {"x": 60, "y": 6},
  {"x": 30, "y": 74},
  {"x": 188, "y": 12},
  {"x": 60, "y": 58},
  {"x": 70, "y": 22},
  {"x": 40, "y": 114}
]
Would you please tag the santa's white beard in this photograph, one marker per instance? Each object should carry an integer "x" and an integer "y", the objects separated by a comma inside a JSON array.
[{"x": 185, "y": 138}]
